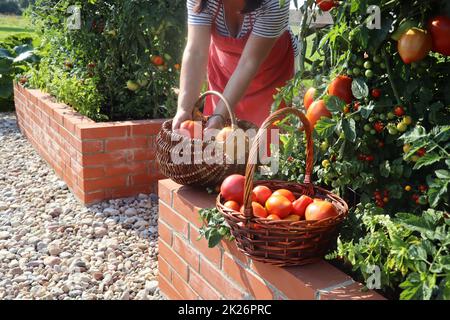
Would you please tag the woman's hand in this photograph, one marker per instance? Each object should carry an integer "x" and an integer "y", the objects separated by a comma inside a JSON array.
[{"x": 181, "y": 116}]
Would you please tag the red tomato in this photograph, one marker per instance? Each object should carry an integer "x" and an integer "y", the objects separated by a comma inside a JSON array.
[
  {"x": 308, "y": 99},
  {"x": 300, "y": 205},
  {"x": 316, "y": 111},
  {"x": 233, "y": 205},
  {"x": 375, "y": 93},
  {"x": 292, "y": 217},
  {"x": 232, "y": 188},
  {"x": 191, "y": 129},
  {"x": 261, "y": 194},
  {"x": 319, "y": 210},
  {"x": 414, "y": 45},
  {"x": 259, "y": 210},
  {"x": 285, "y": 193},
  {"x": 399, "y": 111},
  {"x": 273, "y": 217},
  {"x": 157, "y": 60},
  {"x": 279, "y": 206},
  {"x": 325, "y": 5},
  {"x": 341, "y": 87},
  {"x": 378, "y": 126},
  {"x": 439, "y": 28}
]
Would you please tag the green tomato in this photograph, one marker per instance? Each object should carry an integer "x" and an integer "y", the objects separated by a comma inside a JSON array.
[
  {"x": 367, "y": 127},
  {"x": 382, "y": 116},
  {"x": 423, "y": 200},
  {"x": 372, "y": 119},
  {"x": 372, "y": 132},
  {"x": 367, "y": 64},
  {"x": 325, "y": 163},
  {"x": 377, "y": 59},
  {"x": 390, "y": 115},
  {"x": 349, "y": 72},
  {"x": 369, "y": 73},
  {"x": 357, "y": 117},
  {"x": 382, "y": 65},
  {"x": 392, "y": 131},
  {"x": 359, "y": 62},
  {"x": 356, "y": 71},
  {"x": 324, "y": 146},
  {"x": 133, "y": 86},
  {"x": 402, "y": 127}
]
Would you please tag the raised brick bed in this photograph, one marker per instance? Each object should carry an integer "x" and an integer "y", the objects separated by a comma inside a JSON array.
[
  {"x": 98, "y": 161},
  {"x": 188, "y": 269}
]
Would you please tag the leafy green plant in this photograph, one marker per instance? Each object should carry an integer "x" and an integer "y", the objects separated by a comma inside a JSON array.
[
  {"x": 214, "y": 228},
  {"x": 387, "y": 152},
  {"x": 131, "y": 50}
]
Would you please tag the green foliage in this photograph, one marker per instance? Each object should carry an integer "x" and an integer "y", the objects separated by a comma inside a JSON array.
[
  {"x": 380, "y": 162},
  {"x": 115, "y": 45},
  {"x": 214, "y": 228},
  {"x": 17, "y": 55}
]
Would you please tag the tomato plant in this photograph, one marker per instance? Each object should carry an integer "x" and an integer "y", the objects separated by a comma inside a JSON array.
[
  {"x": 128, "y": 50},
  {"x": 389, "y": 157}
]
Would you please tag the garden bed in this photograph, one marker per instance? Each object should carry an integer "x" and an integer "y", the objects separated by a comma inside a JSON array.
[
  {"x": 98, "y": 161},
  {"x": 188, "y": 269}
]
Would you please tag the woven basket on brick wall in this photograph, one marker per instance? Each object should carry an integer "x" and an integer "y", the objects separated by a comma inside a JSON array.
[
  {"x": 284, "y": 243},
  {"x": 204, "y": 173}
]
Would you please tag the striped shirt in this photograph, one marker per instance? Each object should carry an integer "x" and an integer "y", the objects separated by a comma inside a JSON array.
[{"x": 269, "y": 21}]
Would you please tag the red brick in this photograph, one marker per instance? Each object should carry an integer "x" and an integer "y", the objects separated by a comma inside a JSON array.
[
  {"x": 165, "y": 233},
  {"x": 93, "y": 197},
  {"x": 127, "y": 143},
  {"x": 213, "y": 255},
  {"x": 185, "y": 251},
  {"x": 146, "y": 127},
  {"x": 230, "y": 247},
  {"x": 125, "y": 168},
  {"x": 127, "y": 191},
  {"x": 143, "y": 154},
  {"x": 352, "y": 291},
  {"x": 94, "y": 131},
  {"x": 189, "y": 200},
  {"x": 307, "y": 279},
  {"x": 244, "y": 277},
  {"x": 175, "y": 221},
  {"x": 165, "y": 190},
  {"x": 220, "y": 282},
  {"x": 167, "y": 289},
  {"x": 183, "y": 288},
  {"x": 92, "y": 146},
  {"x": 142, "y": 178},
  {"x": 178, "y": 264},
  {"x": 203, "y": 288},
  {"x": 91, "y": 172},
  {"x": 104, "y": 158},
  {"x": 164, "y": 268},
  {"x": 104, "y": 183}
]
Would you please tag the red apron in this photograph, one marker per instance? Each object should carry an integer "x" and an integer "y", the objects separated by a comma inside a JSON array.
[{"x": 274, "y": 72}]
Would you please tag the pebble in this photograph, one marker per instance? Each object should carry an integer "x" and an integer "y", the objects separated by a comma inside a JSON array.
[{"x": 52, "y": 247}]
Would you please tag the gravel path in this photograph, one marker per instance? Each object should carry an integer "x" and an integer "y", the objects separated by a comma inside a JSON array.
[{"x": 52, "y": 247}]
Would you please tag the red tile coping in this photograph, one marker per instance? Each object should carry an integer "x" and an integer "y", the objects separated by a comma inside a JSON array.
[
  {"x": 98, "y": 161},
  {"x": 191, "y": 270}
]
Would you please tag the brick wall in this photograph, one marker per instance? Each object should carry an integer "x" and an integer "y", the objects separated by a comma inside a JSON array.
[
  {"x": 97, "y": 160},
  {"x": 188, "y": 269}
]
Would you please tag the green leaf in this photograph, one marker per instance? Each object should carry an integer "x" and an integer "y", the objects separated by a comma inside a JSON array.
[
  {"x": 385, "y": 169},
  {"x": 214, "y": 239},
  {"x": 443, "y": 174},
  {"x": 417, "y": 252},
  {"x": 349, "y": 127},
  {"x": 22, "y": 48},
  {"x": 24, "y": 57},
  {"x": 435, "y": 195},
  {"x": 334, "y": 104},
  {"x": 325, "y": 127},
  {"x": 360, "y": 89},
  {"x": 413, "y": 135},
  {"x": 426, "y": 160},
  {"x": 366, "y": 110},
  {"x": 5, "y": 54},
  {"x": 417, "y": 287}
]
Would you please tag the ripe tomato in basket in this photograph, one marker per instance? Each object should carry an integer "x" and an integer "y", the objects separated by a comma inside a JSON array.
[
  {"x": 285, "y": 193},
  {"x": 279, "y": 205},
  {"x": 300, "y": 205},
  {"x": 319, "y": 210},
  {"x": 259, "y": 210},
  {"x": 232, "y": 188},
  {"x": 233, "y": 205},
  {"x": 261, "y": 194},
  {"x": 191, "y": 129}
]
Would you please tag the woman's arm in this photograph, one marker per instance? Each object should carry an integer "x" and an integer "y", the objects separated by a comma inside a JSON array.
[
  {"x": 193, "y": 71},
  {"x": 255, "y": 52}
]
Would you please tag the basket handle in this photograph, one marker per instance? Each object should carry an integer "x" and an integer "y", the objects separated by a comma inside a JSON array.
[
  {"x": 253, "y": 155},
  {"x": 202, "y": 98}
]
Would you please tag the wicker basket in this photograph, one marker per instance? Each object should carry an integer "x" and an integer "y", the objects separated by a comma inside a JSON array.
[
  {"x": 202, "y": 173},
  {"x": 284, "y": 243}
]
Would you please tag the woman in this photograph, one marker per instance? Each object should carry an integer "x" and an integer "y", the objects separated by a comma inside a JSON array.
[{"x": 247, "y": 51}]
